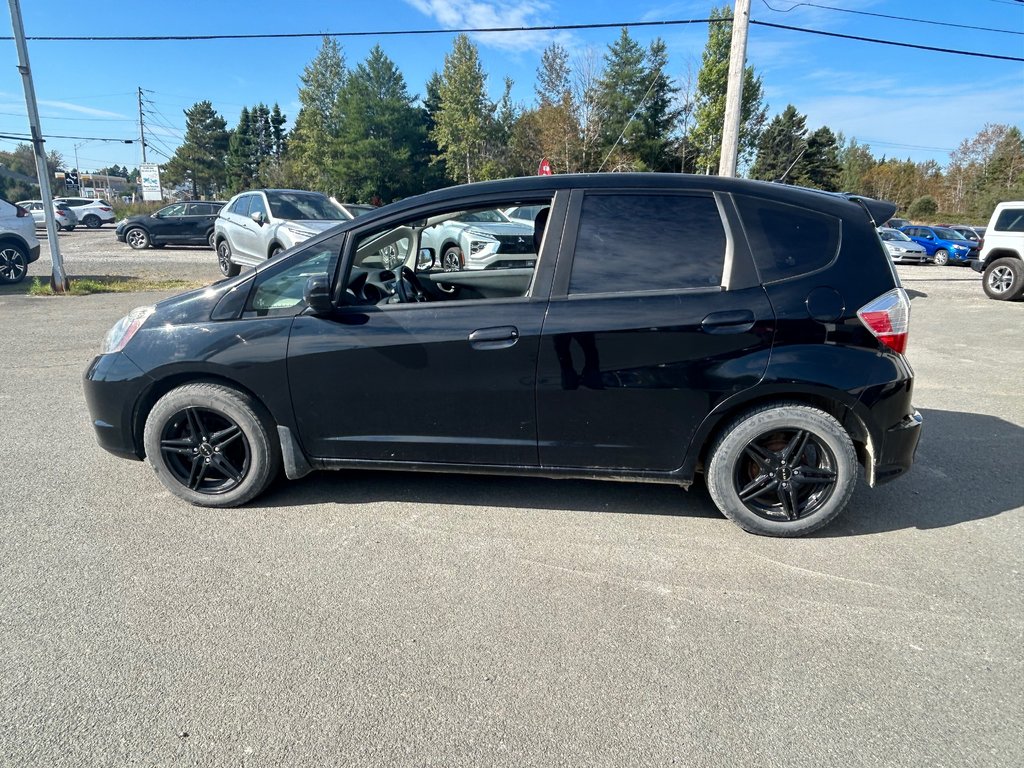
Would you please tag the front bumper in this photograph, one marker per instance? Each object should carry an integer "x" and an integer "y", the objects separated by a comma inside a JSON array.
[
  {"x": 33, "y": 253},
  {"x": 113, "y": 387}
]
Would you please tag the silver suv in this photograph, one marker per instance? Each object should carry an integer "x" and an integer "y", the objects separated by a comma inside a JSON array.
[
  {"x": 257, "y": 225},
  {"x": 19, "y": 245},
  {"x": 92, "y": 213}
]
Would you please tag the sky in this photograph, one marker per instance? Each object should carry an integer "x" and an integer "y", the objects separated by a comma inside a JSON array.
[{"x": 902, "y": 102}]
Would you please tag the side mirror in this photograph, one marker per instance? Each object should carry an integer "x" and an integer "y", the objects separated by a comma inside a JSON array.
[
  {"x": 425, "y": 260},
  {"x": 258, "y": 217},
  {"x": 317, "y": 294}
]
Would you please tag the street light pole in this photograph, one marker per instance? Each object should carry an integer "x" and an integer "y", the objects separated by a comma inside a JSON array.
[{"x": 58, "y": 280}]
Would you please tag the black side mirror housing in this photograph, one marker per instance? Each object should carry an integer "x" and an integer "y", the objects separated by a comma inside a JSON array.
[{"x": 317, "y": 294}]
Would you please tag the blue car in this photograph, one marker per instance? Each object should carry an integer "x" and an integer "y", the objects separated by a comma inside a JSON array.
[{"x": 947, "y": 245}]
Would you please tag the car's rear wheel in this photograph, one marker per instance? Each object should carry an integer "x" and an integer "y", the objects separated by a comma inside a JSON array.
[
  {"x": 451, "y": 261},
  {"x": 227, "y": 268},
  {"x": 137, "y": 238},
  {"x": 782, "y": 470},
  {"x": 13, "y": 264},
  {"x": 942, "y": 257},
  {"x": 1003, "y": 279},
  {"x": 210, "y": 239},
  {"x": 92, "y": 221},
  {"x": 211, "y": 445}
]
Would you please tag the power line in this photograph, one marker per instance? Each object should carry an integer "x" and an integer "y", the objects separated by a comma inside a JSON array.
[
  {"x": 90, "y": 119},
  {"x": 894, "y": 18},
  {"x": 493, "y": 30},
  {"x": 887, "y": 42}
]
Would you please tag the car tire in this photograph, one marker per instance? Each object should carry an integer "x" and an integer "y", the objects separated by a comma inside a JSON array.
[
  {"x": 274, "y": 251},
  {"x": 941, "y": 257},
  {"x": 227, "y": 268},
  {"x": 211, "y": 445},
  {"x": 69, "y": 228},
  {"x": 1003, "y": 279},
  {"x": 137, "y": 238},
  {"x": 92, "y": 221},
  {"x": 13, "y": 264},
  {"x": 783, "y": 469},
  {"x": 210, "y": 241},
  {"x": 452, "y": 261}
]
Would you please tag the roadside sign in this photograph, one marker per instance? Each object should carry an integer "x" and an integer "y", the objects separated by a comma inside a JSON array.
[
  {"x": 150, "y": 173},
  {"x": 544, "y": 169}
]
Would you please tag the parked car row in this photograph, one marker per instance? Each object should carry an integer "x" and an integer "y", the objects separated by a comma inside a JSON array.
[{"x": 69, "y": 212}]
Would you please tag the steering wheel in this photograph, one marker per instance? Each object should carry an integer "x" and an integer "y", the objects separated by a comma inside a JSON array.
[{"x": 407, "y": 286}]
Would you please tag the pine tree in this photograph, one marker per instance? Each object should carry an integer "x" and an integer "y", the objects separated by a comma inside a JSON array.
[
  {"x": 620, "y": 92},
  {"x": 241, "y": 167},
  {"x": 312, "y": 147},
  {"x": 463, "y": 113},
  {"x": 781, "y": 147},
  {"x": 706, "y": 136},
  {"x": 381, "y": 133},
  {"x": 819, "y": 167},
  {"x": 203, "y": 154}
]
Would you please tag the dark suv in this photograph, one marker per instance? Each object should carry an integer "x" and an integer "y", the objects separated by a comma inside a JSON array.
[{"x": 670, "y": 325}]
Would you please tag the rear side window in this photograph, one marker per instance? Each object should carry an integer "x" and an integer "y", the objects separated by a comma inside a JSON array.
[
  {"x": 788, "y": 241},
  {"x": 1010, "y": 220},
  {"x": 241, "y": 205},
  {"x": 647, "y": 242}
]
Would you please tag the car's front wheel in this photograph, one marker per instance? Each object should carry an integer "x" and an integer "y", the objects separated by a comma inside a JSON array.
[
  {"x": 13, "y": 264},
  {"x": 92, "y": 221},
  {"x": 782, "y": 470},
  {"x": 452, "y": 259},
  {"x": 137, "y": 238},
  {"x": 942, "y": 257},
  {"x": 227, "y": 267},
  {"x": 211, "y": 445},
  {"x": 1003, "y": 279}
]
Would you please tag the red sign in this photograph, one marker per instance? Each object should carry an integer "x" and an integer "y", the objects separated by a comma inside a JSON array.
[{"x": 544, "y": 169}]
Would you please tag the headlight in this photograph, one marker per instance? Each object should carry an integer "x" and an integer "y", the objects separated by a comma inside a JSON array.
[
  {"x": 957, "y": 247},
  {"x": 479, "y": 234},
  {"x": 897, "y": 249},
  {"x": 124, "y": 329}
]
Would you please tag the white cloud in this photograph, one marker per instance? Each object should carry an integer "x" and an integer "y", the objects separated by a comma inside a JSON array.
[
  {"x": 478, "y": 14},
  {"x": 67, "y": 105}
]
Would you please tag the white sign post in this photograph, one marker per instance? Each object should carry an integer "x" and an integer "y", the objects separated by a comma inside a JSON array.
[{"x": 150, "y": 173}]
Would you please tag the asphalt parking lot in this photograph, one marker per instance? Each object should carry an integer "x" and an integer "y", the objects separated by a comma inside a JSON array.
[{"x": 361, "y": 618}]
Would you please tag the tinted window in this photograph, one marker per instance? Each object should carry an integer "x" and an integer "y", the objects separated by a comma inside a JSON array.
[
  {"x": 257, "y": 205},
  {"x": 241, "y": 205},
  {"x": 304, "y": 206},
  {"x": 1010, "y": 220},
  {"x": 788, "y": 241},
  {"x": 647, "y": 242}
]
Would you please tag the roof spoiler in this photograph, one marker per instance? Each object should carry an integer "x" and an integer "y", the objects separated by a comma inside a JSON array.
[{"x": 879, "y": 211}]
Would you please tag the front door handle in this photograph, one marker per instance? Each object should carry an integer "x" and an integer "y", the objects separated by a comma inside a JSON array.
[
  {"x": 737, "y": 321},
  {"x": 500, "y": 337}
]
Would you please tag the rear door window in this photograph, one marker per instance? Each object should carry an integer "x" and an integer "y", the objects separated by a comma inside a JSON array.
[
  {"x": 788, "y": 241},
  {"x": 647, "y": 242},
  {"x": 1010, "y": 220}
]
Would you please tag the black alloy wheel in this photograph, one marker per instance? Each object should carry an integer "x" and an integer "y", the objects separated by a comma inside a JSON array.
[
  {"x": 13, "y": 264},
  {"x": 204, "y": 450},
  {"x": 782, "y": 470},
  {"x": 227, "y": 267},
  {"x": 785, "y": 475},
  {"x": 92, "y": 221},
  {"x": 210, "y": 445}
]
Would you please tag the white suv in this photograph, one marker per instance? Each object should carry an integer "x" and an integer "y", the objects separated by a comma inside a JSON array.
[
  {"x": 91, "y": 213},
  {"x": 1002, "y": 255},
  {"x": 19, "y": 245}
]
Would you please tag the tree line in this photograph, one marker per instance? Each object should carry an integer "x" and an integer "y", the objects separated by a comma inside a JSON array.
[{"x": 362, "y": 136}]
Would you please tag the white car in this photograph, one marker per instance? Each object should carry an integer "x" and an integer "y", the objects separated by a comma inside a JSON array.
[
  {"x": 902, "y": 249},
  {"x": 480, "y": 239},
  {"x": 19, "y": 245},
  {"x": 62, "y": 213},
  {"x": 91, "y": 213}
]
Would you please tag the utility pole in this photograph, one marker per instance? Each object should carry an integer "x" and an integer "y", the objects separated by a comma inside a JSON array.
[
  {"x": 734, "y": 89},
  {"x": 58, "y": 280},
  {"x": 142, "y": 129}
]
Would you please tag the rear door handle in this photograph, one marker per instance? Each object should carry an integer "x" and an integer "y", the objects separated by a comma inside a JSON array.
[
  {"x": 500, "y": 337},
  {"x": 736, "y": 321}
]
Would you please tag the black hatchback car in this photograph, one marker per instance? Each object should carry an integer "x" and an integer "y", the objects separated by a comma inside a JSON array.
[
  {"x": 670, "y": 325},
  {"x": 189, "y": 222}
]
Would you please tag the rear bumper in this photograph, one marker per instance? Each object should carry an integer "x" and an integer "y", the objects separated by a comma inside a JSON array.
[
  {"x": 899, "y": 445},
  {"x": 977, "y": 265}
]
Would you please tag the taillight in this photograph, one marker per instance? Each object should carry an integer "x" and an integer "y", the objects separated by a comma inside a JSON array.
[
  {"x": 107, "y": 210},
  {"x": 888, "y": 318},
  {"x": 22, "y": 213}
]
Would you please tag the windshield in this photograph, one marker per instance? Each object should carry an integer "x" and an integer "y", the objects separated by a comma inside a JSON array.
[
  {"x": 490, "y": 216},
  {"x": 948, "y": 234},
  {"x": 304, "y": 206},
  {"x": 893, "y": 234}
]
